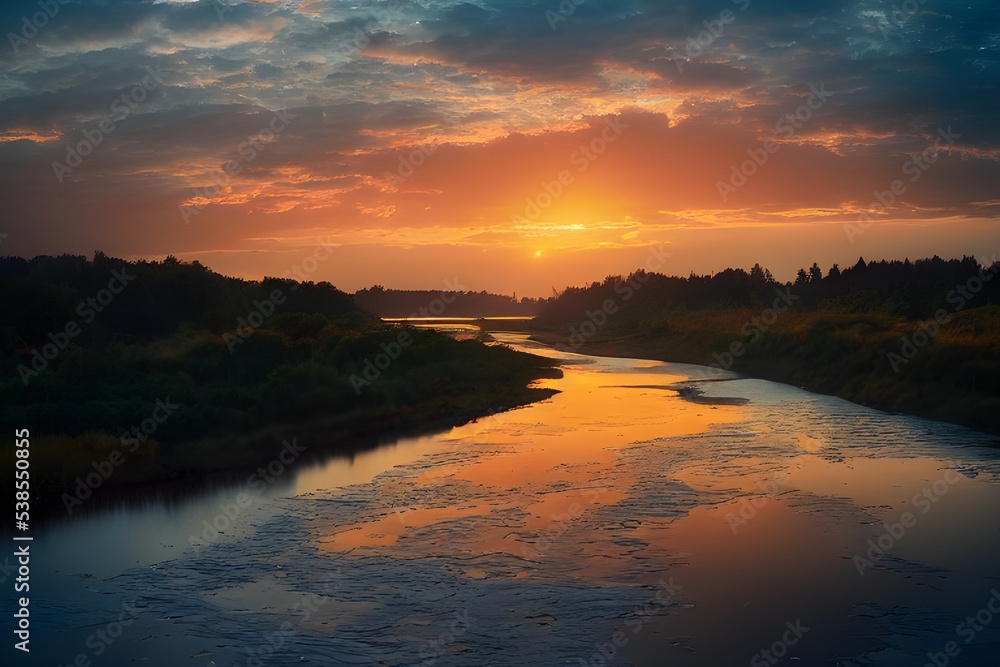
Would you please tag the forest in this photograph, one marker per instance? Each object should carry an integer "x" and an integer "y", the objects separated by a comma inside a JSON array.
[
  {"x": 920, "y": 337},
  {"x": 184, "y": 371},
  {"x": 446, "y": 303}
]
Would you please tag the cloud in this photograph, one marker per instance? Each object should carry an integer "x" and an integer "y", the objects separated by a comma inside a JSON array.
[{"x": 507, "y": 97}]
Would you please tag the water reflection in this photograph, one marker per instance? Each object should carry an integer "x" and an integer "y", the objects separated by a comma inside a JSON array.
[{"x": 553, "y": 521}]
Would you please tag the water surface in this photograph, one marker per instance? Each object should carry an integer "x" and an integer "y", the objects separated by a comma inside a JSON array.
[{"x": 616, "y": 523}]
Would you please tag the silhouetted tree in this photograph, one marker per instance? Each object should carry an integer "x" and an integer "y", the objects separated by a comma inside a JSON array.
[{"x": 815, "y": 273}]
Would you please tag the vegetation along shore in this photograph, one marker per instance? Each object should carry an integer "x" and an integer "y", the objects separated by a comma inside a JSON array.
[{"x": 918, "y": 337}]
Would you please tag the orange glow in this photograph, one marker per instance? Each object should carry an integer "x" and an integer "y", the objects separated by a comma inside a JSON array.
[
  {"x": 520, "y": 475},
  {"x": 26, "y": 134}
]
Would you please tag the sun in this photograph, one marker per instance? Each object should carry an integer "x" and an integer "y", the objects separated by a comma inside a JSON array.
[{"x": 538, "y": 253}]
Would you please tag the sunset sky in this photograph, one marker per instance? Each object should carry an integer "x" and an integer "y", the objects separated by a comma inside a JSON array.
[{"x": 479, "y": 109}]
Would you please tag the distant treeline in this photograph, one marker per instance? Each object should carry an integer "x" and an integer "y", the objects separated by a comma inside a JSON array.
[
  {"x": 180, "y": 369},
  {"x": 913, "y": 290},
  {"x": 112, "y": 300},
  {"x": 449, "y": 303},
  {"x": 921, "y": 337}
]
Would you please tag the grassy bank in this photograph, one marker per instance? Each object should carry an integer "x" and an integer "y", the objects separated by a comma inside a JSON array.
[
  {"x": 177, "y": 376},
  {"x": 170, "y": 412},
  {"x": 867, "y": 334},
  {"x": 954, "y": 378}
]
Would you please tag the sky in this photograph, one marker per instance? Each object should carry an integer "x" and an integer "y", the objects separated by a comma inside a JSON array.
[{"x": 500, "y": 145}]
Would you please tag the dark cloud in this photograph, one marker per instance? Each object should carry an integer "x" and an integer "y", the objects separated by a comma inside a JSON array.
[{"x": 494, "y": 80}]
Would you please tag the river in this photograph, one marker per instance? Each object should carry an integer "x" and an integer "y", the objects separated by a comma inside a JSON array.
[{"x": 617, "y": 523}]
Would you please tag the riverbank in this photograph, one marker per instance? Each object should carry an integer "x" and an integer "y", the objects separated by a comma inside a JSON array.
[
  {"x": 184, "y": 373},
  {"x": 954, "y": 378},
  {"x": 552, "y": 534},
  {"x": 71, "y": 469},
  {"x": 439, "y": 398}
]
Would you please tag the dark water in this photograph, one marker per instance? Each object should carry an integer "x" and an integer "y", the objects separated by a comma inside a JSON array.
[{"x": 616, "y": 523}]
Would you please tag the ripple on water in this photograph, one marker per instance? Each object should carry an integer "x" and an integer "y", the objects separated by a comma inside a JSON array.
[{"x": 529, "y": 537}]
